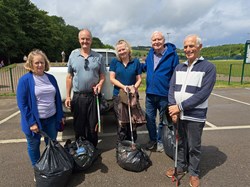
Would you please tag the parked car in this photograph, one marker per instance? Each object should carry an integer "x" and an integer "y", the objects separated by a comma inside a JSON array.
[{"x": 61, "y": 72}]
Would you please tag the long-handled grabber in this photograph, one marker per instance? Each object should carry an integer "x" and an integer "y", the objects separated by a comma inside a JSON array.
[
  {"x": 175, "y": 176},
  {"x": 130, "y": 120},
  {"x": 98, "y": 112}
]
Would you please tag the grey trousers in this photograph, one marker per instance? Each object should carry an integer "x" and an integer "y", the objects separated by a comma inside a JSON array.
[{"x": 189, "y": 146}]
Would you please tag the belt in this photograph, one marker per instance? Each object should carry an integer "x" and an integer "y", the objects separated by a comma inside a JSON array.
[{"x": 84, "y": 93}]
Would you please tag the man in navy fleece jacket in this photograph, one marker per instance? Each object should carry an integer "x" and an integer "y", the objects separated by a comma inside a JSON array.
[{"x": 190, "y": 87}]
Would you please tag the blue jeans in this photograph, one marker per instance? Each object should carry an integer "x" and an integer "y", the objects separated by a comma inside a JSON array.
[
  {"x": 154, "y": 103},
  {"x": 33, "y": 141}
]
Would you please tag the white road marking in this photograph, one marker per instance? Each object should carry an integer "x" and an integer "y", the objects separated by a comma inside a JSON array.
[
  {"x": 9, "y": 117},
  {"x": 210, "y": 124},
  {"x": 227, "y": 127},
  {"x": 238, "y": 101},
  {"x": 61, "y": 138}
]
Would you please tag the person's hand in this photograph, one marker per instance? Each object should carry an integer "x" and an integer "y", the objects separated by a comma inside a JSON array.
[
  {"x": 132, "y": 89},
  {"x": 67, "y": 102},
  {"x": 97, "y": 89},
  {"x": 173, "y": 110},
  {"x": 34, "y": 128},
  {"x": 63, "y": 120},
  {"x": 174, "y": 118},
  {"x": 126, "y": 89}
]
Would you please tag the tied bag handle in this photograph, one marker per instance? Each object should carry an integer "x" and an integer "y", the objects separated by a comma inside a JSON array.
[{"x": 45, "y": 135}]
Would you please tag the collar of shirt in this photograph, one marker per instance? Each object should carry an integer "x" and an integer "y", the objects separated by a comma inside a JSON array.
[
  {"x": 159, "y": 55},
  {"x": 200, "y": 58}
]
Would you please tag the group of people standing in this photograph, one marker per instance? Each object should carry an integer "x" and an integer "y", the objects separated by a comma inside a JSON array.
[{"x": 180, "y": 88}]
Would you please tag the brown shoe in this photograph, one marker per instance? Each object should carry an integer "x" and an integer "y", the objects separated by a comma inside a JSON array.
[
  {"x": 170, "y": 172},
  {"x": 194, "y": 181}
]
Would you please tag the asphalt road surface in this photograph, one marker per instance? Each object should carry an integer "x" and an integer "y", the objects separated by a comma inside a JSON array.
[{"x": 225, "y": 149}]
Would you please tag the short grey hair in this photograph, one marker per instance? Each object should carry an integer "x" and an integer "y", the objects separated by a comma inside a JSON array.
[
  {"x": 85, "y": 29},
  {"x": 158, "y": 32},
  {"x": 198, "y": 39}
]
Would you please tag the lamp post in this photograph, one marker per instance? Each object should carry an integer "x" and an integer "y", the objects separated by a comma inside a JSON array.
[{"x": 168, "y": 33}]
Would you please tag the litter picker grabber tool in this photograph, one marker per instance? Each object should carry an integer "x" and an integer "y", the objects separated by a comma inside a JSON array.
[
  {"x": 175, "y": 176},
  {"x": 98, "y": 111},
  {"x": 130, "y": 120}
]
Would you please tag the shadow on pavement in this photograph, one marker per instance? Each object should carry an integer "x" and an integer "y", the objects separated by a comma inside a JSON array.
[{"x": 211, "y": 158}]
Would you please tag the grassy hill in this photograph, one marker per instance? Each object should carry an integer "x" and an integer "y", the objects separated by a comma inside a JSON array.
[{"x": 228, "y": 51}]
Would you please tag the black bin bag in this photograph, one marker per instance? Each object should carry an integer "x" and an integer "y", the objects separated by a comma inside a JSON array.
[
  {"x": 54, "y": 167},
  {"x": 132, "y": 157},
  {"x": 168, "y": 140},
  {"x": 82, "y": 151}
]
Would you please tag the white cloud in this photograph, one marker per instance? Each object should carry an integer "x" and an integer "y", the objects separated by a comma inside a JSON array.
[{"x": 217, "y": 22}]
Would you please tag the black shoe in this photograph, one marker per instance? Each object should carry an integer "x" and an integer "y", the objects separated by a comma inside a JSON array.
[{"x": 150, "y": 145}]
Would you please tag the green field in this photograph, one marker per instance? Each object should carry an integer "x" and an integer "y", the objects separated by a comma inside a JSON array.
[
  {"x": 139, "y": 53},
  {"x": 222, "y": 68}
]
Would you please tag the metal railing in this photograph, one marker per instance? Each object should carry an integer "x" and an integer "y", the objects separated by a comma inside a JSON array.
[
  {"x": 236, "y": 73},
  {"x": 239, "y": 73},
  {"x": 9, "y": 78}
]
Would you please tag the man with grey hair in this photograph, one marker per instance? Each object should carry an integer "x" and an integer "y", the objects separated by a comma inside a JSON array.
[
  {"x": 190, "y": 87},
  {"x": 159, "y": 65},
  {"x": 86, "y": 75}
]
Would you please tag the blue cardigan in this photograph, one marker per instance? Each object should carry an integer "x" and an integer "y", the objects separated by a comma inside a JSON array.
[
  {"x": 26, "y": 101},
  {"x": 158, "y": 80}
]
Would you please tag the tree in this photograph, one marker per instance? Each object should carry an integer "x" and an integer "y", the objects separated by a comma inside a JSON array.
[
  {"x": 24, "y": 27},
  {"x": 8, "y": 31}
]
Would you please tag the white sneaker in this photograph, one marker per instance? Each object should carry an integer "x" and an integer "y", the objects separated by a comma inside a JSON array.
[
  {"x": 34, "y": 179},
  {"x": 160, "y": 147}
]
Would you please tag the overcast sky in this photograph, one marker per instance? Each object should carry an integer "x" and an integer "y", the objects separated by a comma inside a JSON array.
[{"x": 217, "y": 22}]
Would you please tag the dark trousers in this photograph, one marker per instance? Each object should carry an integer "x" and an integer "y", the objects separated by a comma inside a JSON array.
[
  {"x": 189, "y": 147},
  {"x": 123, "y": 130},
  {"x": 85, "y": 123}
]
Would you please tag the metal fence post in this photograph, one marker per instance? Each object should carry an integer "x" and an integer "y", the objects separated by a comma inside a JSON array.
[
  {"x": 11, "y": 80},
  {"x": 242, "y": 73},
  {"x": 230, "y": 71}
]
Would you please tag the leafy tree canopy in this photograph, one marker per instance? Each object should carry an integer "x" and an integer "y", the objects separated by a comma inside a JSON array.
[{"x": 31, "y": 28}]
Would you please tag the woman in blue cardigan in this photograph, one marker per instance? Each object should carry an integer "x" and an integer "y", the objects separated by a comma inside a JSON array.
[{"x": 39, "y": 101}]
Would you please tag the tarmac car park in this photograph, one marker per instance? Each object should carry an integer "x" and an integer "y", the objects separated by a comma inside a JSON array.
[{"x": 225, "y": 148}]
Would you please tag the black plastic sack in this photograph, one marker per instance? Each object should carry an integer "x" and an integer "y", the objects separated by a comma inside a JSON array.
[
  {"x": 168, "y": 140},
  {"x": 54, "y": 167},
  {"x": 82, "y": 151},
  {"x": 132, "y": 158},
  {"x": 104, "y": 105}
]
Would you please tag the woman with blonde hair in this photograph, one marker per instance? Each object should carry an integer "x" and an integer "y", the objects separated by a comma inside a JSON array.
[
  {"x": 125, "y": 74},
  {"x": 39, "y": 101}
]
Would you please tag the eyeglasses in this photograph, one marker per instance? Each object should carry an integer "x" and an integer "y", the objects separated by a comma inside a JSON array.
[{"x": 86, "y": 65}]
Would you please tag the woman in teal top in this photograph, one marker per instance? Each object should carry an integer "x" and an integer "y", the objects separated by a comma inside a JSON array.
[{"x": 125, "y": 73}]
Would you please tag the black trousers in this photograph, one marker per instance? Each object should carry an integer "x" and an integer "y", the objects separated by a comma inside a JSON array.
[{"x": 84, "y": 108}]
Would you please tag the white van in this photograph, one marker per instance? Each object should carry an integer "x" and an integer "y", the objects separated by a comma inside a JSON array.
[{"x": 108, "y": 55}]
